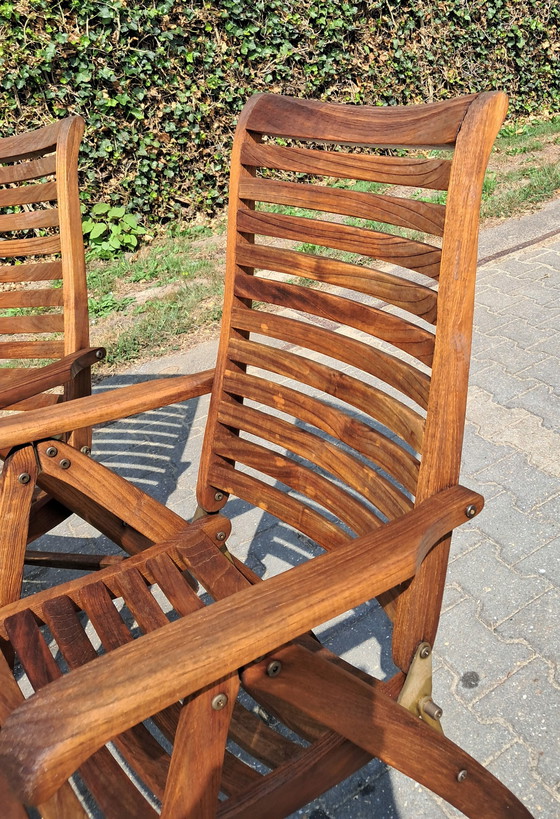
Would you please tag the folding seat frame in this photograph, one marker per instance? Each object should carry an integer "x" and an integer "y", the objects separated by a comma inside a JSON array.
[{"x": 368, "y": 472}]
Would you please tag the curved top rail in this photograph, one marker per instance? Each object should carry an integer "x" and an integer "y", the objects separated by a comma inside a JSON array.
[{"x": 35, "y": 143}]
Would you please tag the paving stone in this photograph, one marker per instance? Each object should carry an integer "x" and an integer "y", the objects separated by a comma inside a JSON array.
[
  {"x": 531, "y": 707},
  {"x": 548, "y": 371},
  {"x": 499, "y": 590},
  {"x": 513, "y": 767},
  {"x": 479, "y": 452},
  {"x": 465, "y": 645},
  {"x": 520, "y": 332},
  {"x": 528, "y": 485},
  {"x": 538, "y": 625},
  {"x": 551, "y": 258},
  {"x": 540, "y": 401},
  {"x": 544, "y": 561},
  {"x": 467, "y": 536},
  {"x": 515, "y": 360},
  {"x": 502, "y": 384},
  {"x": 517, "y": 535},
  {"x": 497, "y": 301},
  {"x": 487, "y": 320}
]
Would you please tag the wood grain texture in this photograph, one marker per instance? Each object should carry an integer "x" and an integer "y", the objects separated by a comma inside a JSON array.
[
  {"x": 404, "y": 335},
  {"x": 15, "y": 503},
  {"x": 44, "y": 271},
  {"x": 415, "y": 298},
  {"x": 394, "y": 210},
  {"x": 434, "y": 125},
  {"x": 391, "y": 170},
  {"x": 48, "y": 323},
  {"x": 38, "y": 246},
  {"x": 124, "y": 687},
  {"x": 419, "y": 256},
  {"x": 29, "y": 220},
  {"x": 28, "y": 194},
  {"x": 23, "y": 171},
  {"x": 51, "y": 297}
]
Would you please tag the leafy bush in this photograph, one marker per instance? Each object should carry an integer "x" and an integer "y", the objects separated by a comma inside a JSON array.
[
  {"x": 114, "y": 233},
  {"x": 160, "y": 83}
]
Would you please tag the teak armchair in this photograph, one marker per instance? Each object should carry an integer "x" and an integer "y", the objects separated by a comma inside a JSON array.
[{"x": 340, "y": 412}]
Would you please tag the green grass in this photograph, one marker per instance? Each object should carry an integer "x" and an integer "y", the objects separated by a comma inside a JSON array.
[{"x": 527, "y": 186}]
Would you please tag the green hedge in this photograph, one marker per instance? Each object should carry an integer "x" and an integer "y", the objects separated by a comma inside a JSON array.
[{"x": 160, "y": 83}]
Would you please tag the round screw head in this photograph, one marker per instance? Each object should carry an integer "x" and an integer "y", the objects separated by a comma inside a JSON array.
[
  {"x": 51, "y": 451},
  {"x": 100, "y": 354},
  {"x": 25, "y": 477},
  {"x": 274, "y": 668},
  {"x": 425, "y": 651},
  {"x": 219, "y": 496},
  {"x": 219, "y": 702},
  {"x": 86, "y": 450},
  {"x": 462, "y": 775},
  {"x": 64, "y": 463},
  {"x": 471, "y": 510},
  {"x": 220, "y": 535}
]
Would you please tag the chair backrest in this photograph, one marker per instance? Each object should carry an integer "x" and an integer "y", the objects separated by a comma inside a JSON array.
[
  {"x": 373, "y": 363},
  {"x": 41, "y": 247}
]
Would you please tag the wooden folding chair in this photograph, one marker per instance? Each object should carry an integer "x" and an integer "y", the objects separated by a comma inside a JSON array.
[
  {"x": 338, "y": 409},
  {"x": 43, "y": 318}
]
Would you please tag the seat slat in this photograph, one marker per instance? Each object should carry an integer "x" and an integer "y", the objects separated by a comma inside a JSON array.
[
  {"x": 173, "y": 584},
  {"x": 418, "y": 256},
  {"x": 399, "y": 374},
  {"x": 342, "y": 465},
  {"x": 410, "y": 171},
  {"x": 298, "y": 477},
  {"x": 384, "y": 408},
  {"x": 49, "y": 323},
  {"x": 395, "y": 330},
  {"x": 36, "y": 402},
  {"x": 29, "y": 220},
  {"x": 37, "y": 246},
  {"x": 28, "y": 194},
  {"x": 277, "y": 503},
  {"x": 392, "y": 458},
  {"x": 33, "y": 169},
  {"x": 255, "y": 737},
  {"x": 415, "y": 298},
  {"x": 51, "y": 297},
  {"x": 44, "y": 271},
  {"x": 409, "y": 213}
]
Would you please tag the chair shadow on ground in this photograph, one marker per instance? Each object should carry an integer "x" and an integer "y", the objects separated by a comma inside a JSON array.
[{"x": 153, "y": 451}]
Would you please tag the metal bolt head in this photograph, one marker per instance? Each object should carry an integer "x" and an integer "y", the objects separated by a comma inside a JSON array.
[
  {"x": 462, "y": 775},
  {"x": 425, "y": 651},
  {"x": 274, "y": 668},
  {"x": 86, "y": 450},
  {"x": 64, "y": 463},
  {"x": 51, "y": 451},
  {"x": 432, "y": 710},
  {"x": 219, "y": 496},
  {"x": 220, "y": 535},
  {"x": 25, "y": 477},
  {"x": 471, "y": 510},
  {"x": 219, "y": 702},
  {"x": 100, "y": 354}
]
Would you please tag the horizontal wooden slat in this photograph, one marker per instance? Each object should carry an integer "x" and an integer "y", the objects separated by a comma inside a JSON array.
[
  {"x": 324, "y": 454},
  {"x": 38, "y": 246},
  {"x": 49, "y": 323},
  {"x": 409, "y": 213},
  {"x": 392, "y": 458},
  {"x": 404, "y": 252},
  {"x": 41, "y": 140},
  {"x": 41, "y": 272},
  {"x": 399, "y": 374},
  {"x": 277, "y": 503},
  {"x": 408, "y": 337},
  {"x": 433, "y": 125},
  {"x": 33, "y": 169},
  {"x": 31, "y": 349},
  {"x": 29, "y": 220},
  {"x": 51, "y": 297},
  {"x": 415, "y": 298},
  {"x": 406, "y": 423},
  {"x": 28, "y": 194},
  {"x": 410, "y": 171},
  {"x": 299, "y": 478}
]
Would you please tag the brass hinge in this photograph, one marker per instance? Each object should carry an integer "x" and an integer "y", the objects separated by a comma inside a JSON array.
[{"x": 416, "y": 693}]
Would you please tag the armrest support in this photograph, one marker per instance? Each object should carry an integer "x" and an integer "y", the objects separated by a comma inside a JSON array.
[
  {"x": 46, "y": 738},
  {"x": 49, "y": 376},
  {"x": 102, "y": 407}
]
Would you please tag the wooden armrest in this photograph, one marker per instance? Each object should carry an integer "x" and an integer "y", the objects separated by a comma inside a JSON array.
[
  {"x": 46, "y": 738},
  {"x": 102, "y": 407},
  {"x": 51, "y": 375}
]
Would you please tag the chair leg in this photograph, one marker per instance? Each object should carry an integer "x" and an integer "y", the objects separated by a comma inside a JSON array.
[
  {"x": 195, "y": 773},
  {"x": 16, "y": 494},
  {"x": 366, "y": 716}
]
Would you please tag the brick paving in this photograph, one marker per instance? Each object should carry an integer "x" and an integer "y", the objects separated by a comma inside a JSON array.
[{"x": 495, "y": 661}]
